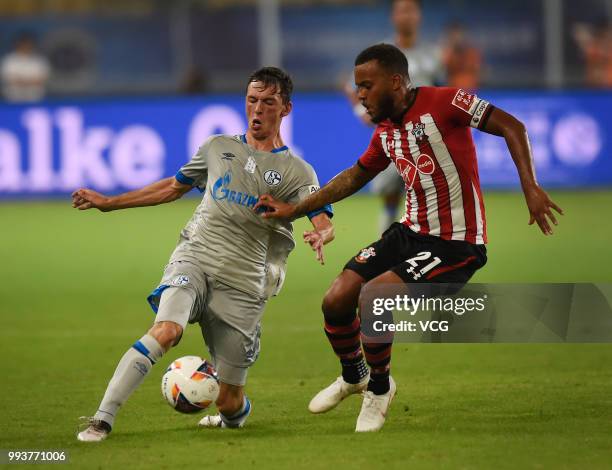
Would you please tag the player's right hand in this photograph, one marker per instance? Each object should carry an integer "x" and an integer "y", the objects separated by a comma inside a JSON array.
[
  {"x": 540, "y": 205},
  {"x": 274, "y": 209},
  {"x": 83, "y": 199}
]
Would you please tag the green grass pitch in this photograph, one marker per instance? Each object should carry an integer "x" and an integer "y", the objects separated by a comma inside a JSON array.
[{"x": 72, "y": 300}]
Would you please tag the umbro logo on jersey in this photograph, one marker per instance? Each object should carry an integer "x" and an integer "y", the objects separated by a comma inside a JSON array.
[
  {"x": 228, "y": 156},
  {"x": 272, "y": 177}
]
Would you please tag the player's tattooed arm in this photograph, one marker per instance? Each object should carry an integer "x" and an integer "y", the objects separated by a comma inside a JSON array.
[
  {"x": 322, "y": 234},
  {"x": 160, "y": 192},
  {"x": 343, "y": 185},
  {"x": 514, "y": 132}
]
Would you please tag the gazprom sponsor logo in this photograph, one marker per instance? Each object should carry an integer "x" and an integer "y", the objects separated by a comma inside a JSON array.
[{"x": 221, "y": 191}]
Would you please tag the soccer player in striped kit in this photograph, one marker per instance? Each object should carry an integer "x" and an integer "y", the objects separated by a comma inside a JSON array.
[
  {"x": 426, "y": 69},
  {"x": 425, "y": 133}
]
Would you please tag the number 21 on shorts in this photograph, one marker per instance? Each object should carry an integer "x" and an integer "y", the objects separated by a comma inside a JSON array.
[{"x": 420, "y": 259}]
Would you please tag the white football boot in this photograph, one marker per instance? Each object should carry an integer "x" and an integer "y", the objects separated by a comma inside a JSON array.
[
  {"x": 331, "y": 396},
  {"x": 211, "y": 421},
  {"x": 215, "y": 421},
  {"x": 374, "y": 409},
  {"x": 96, "y": 430}
]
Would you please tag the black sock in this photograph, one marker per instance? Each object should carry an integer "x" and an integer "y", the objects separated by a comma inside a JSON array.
[
  {"x": 379, "y": 359},
  {"x": 344, "y": 336},
  {"x": 354, "y": 371},
  {"x": 379, "y": 383}
]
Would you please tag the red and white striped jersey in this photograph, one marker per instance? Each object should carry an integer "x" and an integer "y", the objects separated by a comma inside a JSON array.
[{"x": 434, "y": 153}]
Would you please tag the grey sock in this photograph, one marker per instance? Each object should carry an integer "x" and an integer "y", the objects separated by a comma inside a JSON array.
[
  {"x": 239, "y": 417},
  {"x": 129, "y": 374}
]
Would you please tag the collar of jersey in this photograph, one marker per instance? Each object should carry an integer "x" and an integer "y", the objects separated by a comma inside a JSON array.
[
  {"x": 410, "y": 106},
  {"x": 280, "y": 149}
]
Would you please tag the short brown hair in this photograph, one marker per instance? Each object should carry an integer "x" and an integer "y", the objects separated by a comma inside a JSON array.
[{"x": 273, "y": 76}]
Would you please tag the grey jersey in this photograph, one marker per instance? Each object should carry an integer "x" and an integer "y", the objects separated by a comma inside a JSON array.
[
  {"x": 424, "y": 64},
  {"x": 225, "y": 236}
]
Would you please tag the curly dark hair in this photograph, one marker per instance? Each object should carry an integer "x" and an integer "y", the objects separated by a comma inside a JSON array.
[{"x": 389, "y": 58}]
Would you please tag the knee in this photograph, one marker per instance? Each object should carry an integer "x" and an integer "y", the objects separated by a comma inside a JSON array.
[
  {"x": 365, "y": 292},
  {"x": 331, "y": 304},
  {"x": 337, "y": 304},
  {"x": 167, "y": 333}
]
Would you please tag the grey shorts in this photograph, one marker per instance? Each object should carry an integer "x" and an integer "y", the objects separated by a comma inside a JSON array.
[
  {"x": 230, "y": 319},
  {"x": 388, "y": 181}
]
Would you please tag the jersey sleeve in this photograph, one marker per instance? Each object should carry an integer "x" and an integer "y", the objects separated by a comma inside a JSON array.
[
  {"x": 464, "y": 108},
  {"x": 195, "y": 172},
  {"x": 308, "y": 184},
  {"x": 375, "y": 157}
]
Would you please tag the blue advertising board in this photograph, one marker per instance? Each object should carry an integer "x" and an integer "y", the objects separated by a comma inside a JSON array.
[{"x": 112, "y": 146}]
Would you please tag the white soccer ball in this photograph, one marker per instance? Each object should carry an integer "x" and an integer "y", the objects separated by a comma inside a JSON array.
[{"x": 190, "y": 384}]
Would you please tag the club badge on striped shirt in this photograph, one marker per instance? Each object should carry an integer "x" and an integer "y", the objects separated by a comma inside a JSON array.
[{"x": 418, "y": 131}]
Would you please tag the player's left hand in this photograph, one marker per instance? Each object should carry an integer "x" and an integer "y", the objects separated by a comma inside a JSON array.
[
  {"x": 540, "y": 204},
  {"x": 315, "y": 240},
  {"x": 274, "y": 209}
]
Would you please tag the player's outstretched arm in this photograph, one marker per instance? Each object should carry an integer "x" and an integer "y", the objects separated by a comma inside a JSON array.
[
  {"x": 162, "y": 191},
  {"x": 342, "y": 185},
  {"x": 322, "y": 234},
  {"x": 514, "y": 132}
]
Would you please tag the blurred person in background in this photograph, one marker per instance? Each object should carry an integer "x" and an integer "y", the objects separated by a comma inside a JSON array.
[
  {"x": 595, "y": 44},
  {"x": 426, "y": 69},
  {"x": 24, "y": 71},
  {"x": 461, "y": 58},
  {"x": 194, "y": 82}
]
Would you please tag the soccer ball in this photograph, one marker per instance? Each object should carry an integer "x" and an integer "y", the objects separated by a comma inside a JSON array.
[{"x": 190, "y": 384}]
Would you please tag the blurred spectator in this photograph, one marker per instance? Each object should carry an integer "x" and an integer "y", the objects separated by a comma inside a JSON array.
[
  {"x": 194, "y": 82},
  {"x": 425, "y": 68},
  {"x": 424, "y": 59},
  {"x": 24, "y": 71},
  {"x": 461, "y": 58},
  {"x": 595, "y": 43}
]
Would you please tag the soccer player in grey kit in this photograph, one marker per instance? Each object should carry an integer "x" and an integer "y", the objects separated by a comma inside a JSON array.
[{"x": 228, "y": 260}]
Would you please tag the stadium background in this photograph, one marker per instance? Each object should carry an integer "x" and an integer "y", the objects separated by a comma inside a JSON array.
[{"x": 135, "y": 85}]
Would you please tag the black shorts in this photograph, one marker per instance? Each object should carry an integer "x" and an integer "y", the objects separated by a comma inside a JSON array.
[{"x": 419, "y": 258}]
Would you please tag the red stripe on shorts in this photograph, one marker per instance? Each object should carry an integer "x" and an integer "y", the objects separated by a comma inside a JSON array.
[{"x": 445, "y": 269}]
